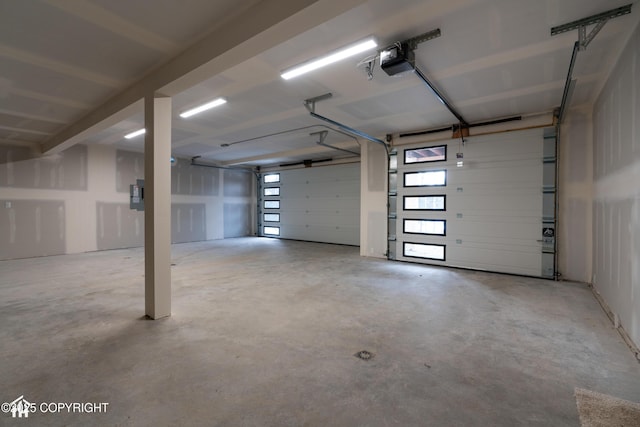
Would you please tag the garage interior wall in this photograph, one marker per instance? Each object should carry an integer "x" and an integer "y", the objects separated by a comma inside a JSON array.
[
  {"x": 616, "y": 207},
  {"x": 78, "y": 201},
  {"x": 575, "y": 178},
  {"x": 373, "y": 200}
]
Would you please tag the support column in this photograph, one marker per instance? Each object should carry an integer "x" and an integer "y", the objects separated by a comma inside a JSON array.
[{"x": 157, "y": 206}]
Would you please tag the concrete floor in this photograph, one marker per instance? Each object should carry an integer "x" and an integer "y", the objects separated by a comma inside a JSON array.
[{"x": 264, "y": 333}]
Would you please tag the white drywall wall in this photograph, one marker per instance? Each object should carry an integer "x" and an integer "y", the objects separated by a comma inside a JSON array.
[
  {"x": 373, "y": 200},
  {"x": 616, "y": 225},
  {"x": 575, "y": 181},
  {"x": 47, "y": 179}
]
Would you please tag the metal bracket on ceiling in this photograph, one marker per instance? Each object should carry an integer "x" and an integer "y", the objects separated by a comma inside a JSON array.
[
  {"x": 413, "y": 42},
  {"x": 583, "y": 41},
  {"x": 598, "y": 20},
  {"x": 322, "y": 135},
  {"x": 310, "y": 104}
]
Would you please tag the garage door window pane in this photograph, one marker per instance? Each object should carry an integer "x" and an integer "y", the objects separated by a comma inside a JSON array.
[
  {"x": 272, "y": 217},
  {"x": 425, "y": 179},
  {"x": 421, "y": 250},
  {"x": 272, "y": 177},
  {"x": 435, "y": 227},
  {"x": 426, "y": 154},
  {"x": 272, "y": 231},
  {"x": 425, "y": 203},
  {"x": 272, "y": 204},
  {"x": 272, "y": 191}
]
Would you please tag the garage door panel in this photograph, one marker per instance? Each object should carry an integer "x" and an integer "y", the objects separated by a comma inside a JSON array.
[
  {"x": 488, "y": 152},
  {"x": 322, "y": 174},
  {"x": 302, "y": 211},
  {"x": 476, "y": 243},
  {"x": 513, "y": 175},
  {"x": 319, "y": 220},
  {"x": 491, "y": 203},
  {"x": 495, "y": 230},
  {"x": 507, "y": 188},
  {"x": 501, "y": 267},
  {"x": 490, "y": 257},
  {"x": 328, "y": 191},
  {"x": 319, "y": 204},
  {"x": 497, "y": 244},
  {"x": 318, "y": 233},
  {"x": 461, "y": 190},
  {"x": 503, "y": 146},
  {"x": 497, "y": 205}
]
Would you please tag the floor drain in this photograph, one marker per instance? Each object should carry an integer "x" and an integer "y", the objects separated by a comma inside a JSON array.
[{"x": 364, "y": 355}]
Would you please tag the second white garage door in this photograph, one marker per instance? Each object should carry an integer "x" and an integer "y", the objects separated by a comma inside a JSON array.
[{"x": 318, "y": 204}]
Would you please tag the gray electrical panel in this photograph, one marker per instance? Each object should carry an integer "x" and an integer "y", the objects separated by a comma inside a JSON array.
[{"x": 136, "y": 195}]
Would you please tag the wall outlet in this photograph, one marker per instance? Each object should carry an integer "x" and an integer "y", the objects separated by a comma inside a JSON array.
[{"x": 7, "y": 205}]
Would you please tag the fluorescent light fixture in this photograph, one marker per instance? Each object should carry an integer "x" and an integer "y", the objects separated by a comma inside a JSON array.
[
  {"x": 204, "y": 107},
  {"x": 136, "y": 133},
  {"x": 329, "y": 59}
]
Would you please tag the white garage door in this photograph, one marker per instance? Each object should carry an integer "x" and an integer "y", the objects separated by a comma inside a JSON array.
[
  {"x": 495, "y": 212},
  {"x": 318, "y": 204}
]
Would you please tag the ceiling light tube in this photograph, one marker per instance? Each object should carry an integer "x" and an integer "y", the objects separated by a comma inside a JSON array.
[
  {"x": 135, "y": 133},
  {"x": 204, "y": 107},
  {"x": 329, "y": 59}
]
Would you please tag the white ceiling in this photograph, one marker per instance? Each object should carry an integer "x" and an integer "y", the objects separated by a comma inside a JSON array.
[{"x": 61, "y": 59}]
